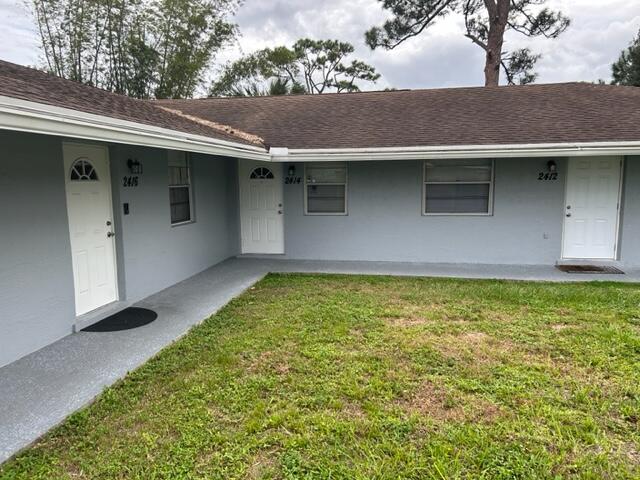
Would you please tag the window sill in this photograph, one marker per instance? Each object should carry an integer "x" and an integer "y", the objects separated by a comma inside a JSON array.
[
  {"x": 457, "y": 214},
  {"x": 179, "y": 224},
  {"x": 328, "y": 214}
]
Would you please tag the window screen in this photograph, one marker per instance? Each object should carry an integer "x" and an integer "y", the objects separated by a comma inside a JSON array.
[
  {"x": 458, "y": 187},
  {"x": 179, "y": 188},
  {"x": 326, "y": 189}
]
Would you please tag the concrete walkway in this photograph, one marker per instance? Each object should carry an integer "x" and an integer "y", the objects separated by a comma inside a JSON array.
[{"x": 41, "y": 389}]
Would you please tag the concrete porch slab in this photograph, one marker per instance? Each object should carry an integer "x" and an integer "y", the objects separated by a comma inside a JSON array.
[{"x": 41, "y": 389}]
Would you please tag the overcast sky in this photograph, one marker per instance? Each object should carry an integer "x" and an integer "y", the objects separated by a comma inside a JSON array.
[{"x": 439, "y": 57}]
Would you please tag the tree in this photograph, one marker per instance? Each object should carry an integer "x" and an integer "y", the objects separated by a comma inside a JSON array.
[
  {"x": 310, "y": 66},
  {"x": 141, "y": 48},
  {"x": 626, "y": 70},
  {"x": 486, "y": 22}
]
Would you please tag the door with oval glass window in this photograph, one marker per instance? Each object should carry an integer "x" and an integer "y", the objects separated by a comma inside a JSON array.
[
  {"x": 261, "y": 207},
  {"x": 88, "y": 186}
]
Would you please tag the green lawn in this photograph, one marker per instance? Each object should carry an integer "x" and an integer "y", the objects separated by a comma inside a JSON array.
[{"x": 311, "y": 376}]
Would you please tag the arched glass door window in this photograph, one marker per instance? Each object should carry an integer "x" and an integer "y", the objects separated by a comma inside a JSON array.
[
  {"x": 82, "y": 170},
  {"x": 261, "y": 173}
]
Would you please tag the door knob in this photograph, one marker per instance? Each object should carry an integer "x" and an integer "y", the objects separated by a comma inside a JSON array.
[
  {"x": 568, "y": 214},
  {"x": 110, "y": 234},
  {"x": 279, "y": 212}
]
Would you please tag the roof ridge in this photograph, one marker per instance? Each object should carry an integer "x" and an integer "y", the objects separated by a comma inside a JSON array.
[
  {"x": 249, "y": 137},
  {"x": 380, "y": 92}
]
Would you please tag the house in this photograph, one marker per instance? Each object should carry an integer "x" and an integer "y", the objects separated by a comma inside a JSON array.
[{"x": 107, "y": 199}]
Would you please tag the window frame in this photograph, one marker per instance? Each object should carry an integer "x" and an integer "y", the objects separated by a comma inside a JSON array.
[
  {"x": 189, "y": 186},
  {"x": 491, "y": 183},
  {"x": 345, "y": 184}
]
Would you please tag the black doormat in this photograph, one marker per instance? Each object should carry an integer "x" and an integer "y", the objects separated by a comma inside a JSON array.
[
  {"x": 126, "y": 319},
  {"x": 589, "y": 269}
]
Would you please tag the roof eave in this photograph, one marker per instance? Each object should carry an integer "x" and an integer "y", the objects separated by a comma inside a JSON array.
[
  {"x": 462, "y": 151},
  {"x": 33, "y": 117}
]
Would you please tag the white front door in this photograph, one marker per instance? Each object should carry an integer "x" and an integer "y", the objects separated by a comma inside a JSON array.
[
  {"x": 261, "y": 207},
  {"x": 591, "y": 207},
  {"x": 88, "y": 185}
]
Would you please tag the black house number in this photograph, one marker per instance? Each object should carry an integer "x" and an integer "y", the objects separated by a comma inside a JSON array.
[
  {"x": 292, "y": 180},
  {"x": 130, "y": 181},
  {"x": 548, "y": 176}
]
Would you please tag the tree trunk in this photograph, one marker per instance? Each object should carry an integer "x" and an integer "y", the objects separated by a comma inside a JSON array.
[{"x": 498, "y": 17}]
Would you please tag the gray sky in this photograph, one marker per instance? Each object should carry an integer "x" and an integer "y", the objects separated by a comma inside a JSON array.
[{"x": 439, "y": 57}]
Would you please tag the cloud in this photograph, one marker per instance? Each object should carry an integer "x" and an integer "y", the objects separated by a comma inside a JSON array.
[
  {"x": 18, "y": 36},
  {"x": 441, "y": 56}
]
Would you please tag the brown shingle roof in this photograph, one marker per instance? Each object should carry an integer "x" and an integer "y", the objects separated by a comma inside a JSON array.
[
  {"x": 553, "y": 113},
  {"x": 29, "y": 84}
]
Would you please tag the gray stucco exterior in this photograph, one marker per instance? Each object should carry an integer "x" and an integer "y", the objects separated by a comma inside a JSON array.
[
  {"x": 630, "y": 217},
  {"x": 153, "y": 255},
  {"x": 384, "y": 223},
  {"x": 36, "y": 277}
]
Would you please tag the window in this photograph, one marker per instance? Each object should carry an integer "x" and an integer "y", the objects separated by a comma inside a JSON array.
[
  {"x": 458, "y": 187},
  {"x": 261, "y": 173},
  {"x": 82, "y": 170},
  {"x": 180, "y": 199},
  {"x": 325, "y": 189}
]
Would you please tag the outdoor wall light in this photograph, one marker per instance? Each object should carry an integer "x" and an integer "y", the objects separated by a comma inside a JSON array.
[
  {"x": 135, "y": 167},
  {"x": 552, "y": 166},
  {"x": 292, "y": 170}
]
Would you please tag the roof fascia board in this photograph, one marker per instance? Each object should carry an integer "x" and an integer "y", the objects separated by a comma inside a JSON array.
[
  {"x": 470, "y": 151},
  {"x": 26, "y": 116}
]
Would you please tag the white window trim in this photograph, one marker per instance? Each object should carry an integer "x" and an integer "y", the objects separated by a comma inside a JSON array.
[
  {"x": 192, "y": 218},
  {"x": 346, "y": 194},
  {"x": 491, "y": 182}
]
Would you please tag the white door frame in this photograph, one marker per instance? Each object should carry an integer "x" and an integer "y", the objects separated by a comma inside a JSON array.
[
  {"x": 618, "y": 213},
  {"x": 244, "y": 169},
  {"x": 105, "y": 149}
]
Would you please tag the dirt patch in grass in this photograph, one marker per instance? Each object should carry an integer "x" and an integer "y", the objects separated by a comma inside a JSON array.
[
  {"x": 353, "y": 410},
  {"x": 631, "y": 453},
  {"x": 473, "y": 348},
  {"x": 269, "y": 361},
  {"x": 407, "y": 321},
  {"x": 261, "y": 464},
  {"x": 436, "y": 403}
]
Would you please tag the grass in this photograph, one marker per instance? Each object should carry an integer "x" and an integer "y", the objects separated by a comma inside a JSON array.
[{"x": 311, "y": 376}]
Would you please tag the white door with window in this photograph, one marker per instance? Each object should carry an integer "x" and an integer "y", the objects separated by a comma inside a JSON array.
[
  {"x": 261, "y": 207},
  {"x": 88, "y": 186},
  {"x": 592, "y": 207}
]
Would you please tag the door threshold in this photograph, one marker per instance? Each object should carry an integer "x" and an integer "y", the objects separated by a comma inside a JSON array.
[
  {"x": 599, "y": 262},
  {"x": 100, "y": 313}
]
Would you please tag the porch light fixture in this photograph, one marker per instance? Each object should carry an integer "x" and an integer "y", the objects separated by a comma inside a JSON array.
[
  {"x": 552, "y": 166},
  {"x": 292, "y": 170},
  {"x": 135, "y": 167}
]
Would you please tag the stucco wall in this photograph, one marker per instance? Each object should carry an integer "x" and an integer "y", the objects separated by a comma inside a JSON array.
[
  {"x": 36, "y": 278},
  {"x": 630, "y": 227},
  {"x": 154, "y": 255},
  {"x": 385, "y": 221}
]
